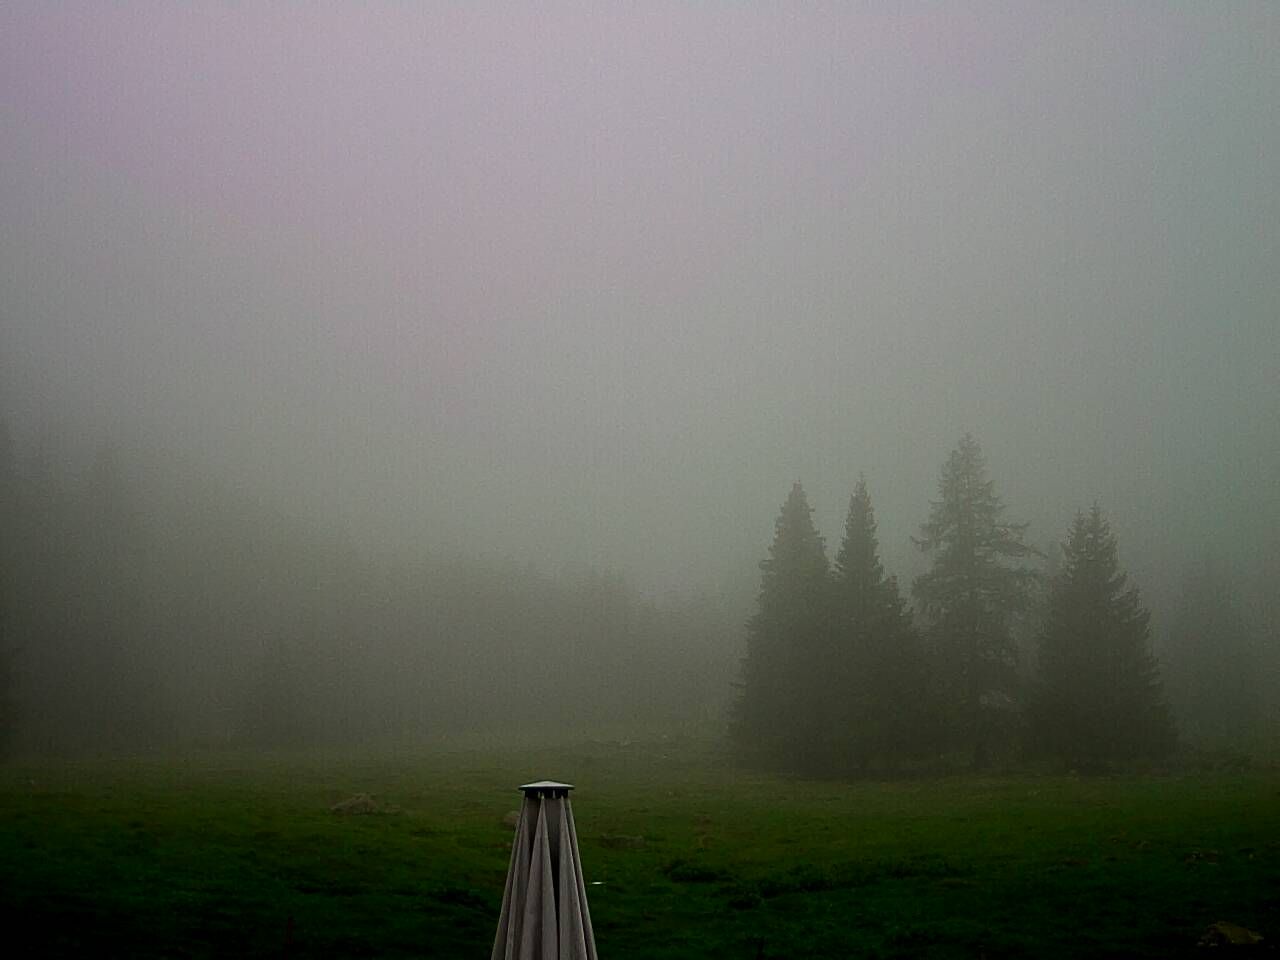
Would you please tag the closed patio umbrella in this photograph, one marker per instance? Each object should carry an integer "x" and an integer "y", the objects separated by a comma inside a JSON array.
[{"x": 544, "y": 907}]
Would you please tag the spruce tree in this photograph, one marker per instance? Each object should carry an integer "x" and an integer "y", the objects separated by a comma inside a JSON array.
[
  {"x": 876, "y": 678},
  {"x": 777, "y": 718},
  {"x": 970, "y": 594},
  {"x": 1213, "y": 664},
  {"x": 1098, "y": 695},
  {"x": 10, "y": 557}
]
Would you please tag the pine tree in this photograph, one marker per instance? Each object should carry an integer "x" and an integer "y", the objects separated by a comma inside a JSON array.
[
  {"x": 876, "y": 678},
  {"x": 1098, "y": 695},
  {"x": 10, "y": 511},
  {"x": 777, "y": 719},
  {"x": 970, "y": 594},
  {"x": 1213, "y": 663}
]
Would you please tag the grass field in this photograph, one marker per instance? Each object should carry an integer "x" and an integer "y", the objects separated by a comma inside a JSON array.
[{"x": 240, "y": 856}]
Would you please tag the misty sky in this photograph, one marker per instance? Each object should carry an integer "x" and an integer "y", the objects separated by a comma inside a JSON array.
[{"x": 596, "y": 282}]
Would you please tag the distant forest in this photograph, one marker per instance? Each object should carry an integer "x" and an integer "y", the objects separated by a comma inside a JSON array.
[
  {"x": 144, "y": 607},
  {"x": 147, "y": 607}
]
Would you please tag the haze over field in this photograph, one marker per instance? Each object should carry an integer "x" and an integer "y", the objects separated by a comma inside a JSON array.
[{"x": 576, "y": 284}]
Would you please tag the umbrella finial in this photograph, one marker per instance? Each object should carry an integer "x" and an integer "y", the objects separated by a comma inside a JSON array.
[{"x": 546, "y": 788}]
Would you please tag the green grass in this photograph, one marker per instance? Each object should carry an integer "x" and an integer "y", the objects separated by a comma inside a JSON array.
[{"x": 240, "y": 856}]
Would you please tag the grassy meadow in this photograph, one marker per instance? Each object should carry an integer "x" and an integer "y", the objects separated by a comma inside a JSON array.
[{"x": 222, "y": 855}]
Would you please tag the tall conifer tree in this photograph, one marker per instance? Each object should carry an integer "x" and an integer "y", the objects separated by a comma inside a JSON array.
[
  {"x": 777, "y": 718},
  {"x": 876, "y": 678},
  {"x": 1098, "y": 695},
  {"x": 971, "y": 592},
  {"x": 10, "y": 555},
  {"x": 1213, "y": 665}
]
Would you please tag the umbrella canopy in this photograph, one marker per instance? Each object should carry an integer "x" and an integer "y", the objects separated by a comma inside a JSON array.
[{"x": 544, "y": 907}]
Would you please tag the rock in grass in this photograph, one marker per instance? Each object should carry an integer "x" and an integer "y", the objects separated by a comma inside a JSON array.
[
  {"x": 361, "y": 803},
  {"x": 1224, "y": 934}
]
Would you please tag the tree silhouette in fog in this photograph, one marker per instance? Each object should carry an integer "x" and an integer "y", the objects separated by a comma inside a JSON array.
[
  {"x": 1213, "y": 663},
  {"x": 876, "y": 680},
  {"x": 970, "y": 594},
  {"x": 777, "y": 718},
  {"x": 10, "y": 510},
  {"x": 1098, "y": 695}
]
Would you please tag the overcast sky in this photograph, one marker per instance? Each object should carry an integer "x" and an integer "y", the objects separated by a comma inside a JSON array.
[{"x": 596, "y": 282}]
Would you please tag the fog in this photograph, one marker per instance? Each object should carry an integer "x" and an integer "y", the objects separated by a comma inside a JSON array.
[{"x": 575, "y": 287}]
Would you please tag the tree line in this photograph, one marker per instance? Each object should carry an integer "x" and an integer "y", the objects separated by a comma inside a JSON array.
[
  {"x": 146, "y": 605},
  {"x": 143, "y": 603},
  {"x": 843, "y": 675}
]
